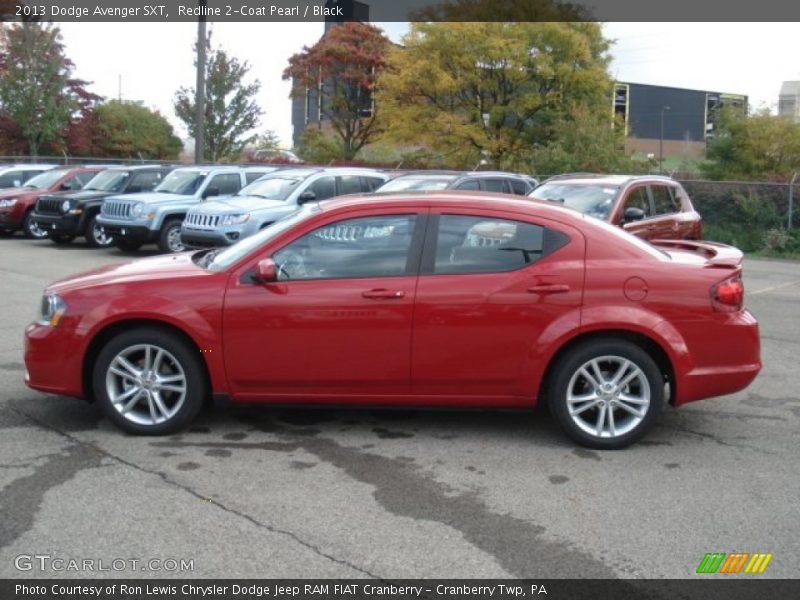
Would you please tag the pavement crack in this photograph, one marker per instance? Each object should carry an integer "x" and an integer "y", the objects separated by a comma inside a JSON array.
[
  {"x": 713, "y": 438},
  {"x": 187, "y": 489}
]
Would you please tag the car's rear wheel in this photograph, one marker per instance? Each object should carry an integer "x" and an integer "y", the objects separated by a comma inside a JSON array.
[
  {"x": 31, "y": 229},
  {"x": 169, "y": 240},
  {"x": 96, "y": 236},
  {"x": 149, "y": 382},
  {"x": 606, "y": 394},
  {"x": 126, "y": 245}
]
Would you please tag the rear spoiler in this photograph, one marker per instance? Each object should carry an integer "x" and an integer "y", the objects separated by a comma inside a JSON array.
[{"x": 716, "y": 254}]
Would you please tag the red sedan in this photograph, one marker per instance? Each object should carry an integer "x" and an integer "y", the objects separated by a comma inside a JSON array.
[{"x": 454, "y": 299}]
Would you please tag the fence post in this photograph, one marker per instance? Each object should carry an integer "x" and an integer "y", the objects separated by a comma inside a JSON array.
[{"x": 791, "y": 200}]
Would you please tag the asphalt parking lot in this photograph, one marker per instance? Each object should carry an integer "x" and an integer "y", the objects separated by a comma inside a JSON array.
[{"x": 303, "y": 493}]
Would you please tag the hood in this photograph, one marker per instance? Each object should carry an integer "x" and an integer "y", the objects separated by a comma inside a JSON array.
[
  {"x": 20, "y": 191},
  {"x": 171, "y": 267},
  {"x": 79, "y": 195},
  {"x": 238, "y": 204},
  {"x": 152, "y": 197}
]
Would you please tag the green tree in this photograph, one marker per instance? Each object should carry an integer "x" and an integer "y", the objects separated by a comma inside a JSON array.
[
  {"x": 126, "y": 129},
  {"x": 343, "y": 67},
  {"x": 757, "y": 146},
  {"x": 231, "y": 112},
  {"x": 499, "y": 91},
  {"x": 37, "y": 92}
]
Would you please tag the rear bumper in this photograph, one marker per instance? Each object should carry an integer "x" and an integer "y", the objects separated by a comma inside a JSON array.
[{"x": 726, "y": 358}]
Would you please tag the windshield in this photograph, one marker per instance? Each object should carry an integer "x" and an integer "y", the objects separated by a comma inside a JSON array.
[
  {"x": 416, "y": 184},
  {"x": 45, "y": 180},
  {"x": 181, "y": 182},
  {"x": 594, "y": 200},
  {"x": 108, "y": 181},
  {"x": 272, "y": 188},
  {"x": 222, "y": 260}
]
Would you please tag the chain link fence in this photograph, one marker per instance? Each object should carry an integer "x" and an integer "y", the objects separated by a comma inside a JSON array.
[{"x": 753, "y": 216}]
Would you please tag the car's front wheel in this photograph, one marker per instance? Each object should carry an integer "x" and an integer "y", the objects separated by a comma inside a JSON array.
[
  {"x": 606, "y": 394},
  {"x": 170, "y": 238},
  {"x": 149, "y": 382},
  {"x": 31, "y": 229},
  {"x": 96, "y": 236}
]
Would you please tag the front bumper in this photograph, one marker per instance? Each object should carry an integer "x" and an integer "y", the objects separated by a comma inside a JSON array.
[
  {"x": 206, "y": 239},
  {"x": 51, "y": 362},
  {"x": 133, "y": 233},
  {"x": 10, "y": 219},
  {"x": 63, "y": 224}
]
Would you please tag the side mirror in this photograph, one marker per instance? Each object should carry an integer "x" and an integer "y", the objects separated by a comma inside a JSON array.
[
  {"x": 65, "y": 186},
  {"x": 266, "y": 271},
  {"x": 211, "y": 191},
  {"x": 632, "y": 214},
  {"x": 307, "y": 196}
]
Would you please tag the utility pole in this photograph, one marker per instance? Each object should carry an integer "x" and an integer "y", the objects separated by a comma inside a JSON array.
[
  {"x": 200, "y": 88},
  {"x": 661, "y": 142}
]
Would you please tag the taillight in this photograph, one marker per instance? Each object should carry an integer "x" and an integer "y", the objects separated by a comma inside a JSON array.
[{"x": 728, "y": 295}]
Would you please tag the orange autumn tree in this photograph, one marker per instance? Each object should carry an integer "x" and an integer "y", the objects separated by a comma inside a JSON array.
[{"x": 343, "y": 67}]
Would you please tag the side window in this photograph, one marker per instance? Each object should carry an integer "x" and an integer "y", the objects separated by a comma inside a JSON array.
[
  {"x": 468, "y": 244},
  {"x": 519, "y": 187},
  {"x": 323, "y": 188},
  {"x": 11, "y": 179},
  {"x": 493, "y": 185},
  {"x": 81, "y": 179},
  {"x": 468, "y": 184},
  {"x": 146, "y": 180},
  {"x": 370, "y": 184},
  {"x": 637, "y": 198},
  {"x": 23, "y": 176},
  {"x": 251, "y": 176},
  {"x": 349, "y": 184},
  {"x": 663, "y": 201},
  {"x": 227, "y": 183},
  {"x": 364, "y": 247}
]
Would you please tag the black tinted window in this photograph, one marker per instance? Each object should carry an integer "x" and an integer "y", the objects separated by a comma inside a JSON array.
[
  {"x": 365, "y": 247},
  {"x": 226, "y": 184},
  {"x": 146, "y": 180},
  {"x": 663, "y": 201},
  {"x": 467, "y": 244},
  {"x": 251, "y": 176},
  {"x": 468, "y": 184},
  {"x": 493, "y": 185},
  {"x": 637, "y": 198},
  {"x": 323, "y": 188},
  {"x": 349, "y": 184},
  {"x": 12, "y": 179},
  {"x": 519, "y": 187},
  {"x": 370, "y": 184}
]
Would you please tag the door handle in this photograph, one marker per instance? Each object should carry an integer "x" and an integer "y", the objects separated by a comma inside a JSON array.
[
  {"x": 383, "y": 294},
  {"x": 548, "y": 288}
]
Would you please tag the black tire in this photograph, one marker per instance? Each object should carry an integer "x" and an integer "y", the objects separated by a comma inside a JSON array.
[
  {"x": 169, "y": 239},
  {"x": 94, "y": 237},
  {"x": 610, "y": 355},
  {"x": 127, "y": 245},
  {"x": 30, "y": 230},
  {"x": 61, "y": 239},
  {"x": 176, "y": 351}
]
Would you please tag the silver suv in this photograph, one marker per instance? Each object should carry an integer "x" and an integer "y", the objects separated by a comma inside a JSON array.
[
  {"x": 227, "y": 220},
  {"x": 136, "y": 219}
]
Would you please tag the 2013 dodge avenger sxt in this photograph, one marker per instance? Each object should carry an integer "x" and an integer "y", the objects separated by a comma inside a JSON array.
[{"x": 450, "y": 299}]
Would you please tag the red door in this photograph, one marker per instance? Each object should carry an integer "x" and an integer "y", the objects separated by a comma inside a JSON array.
[
  {"x": 336, "y": 324},
  {"x": 493, "y": 295}
]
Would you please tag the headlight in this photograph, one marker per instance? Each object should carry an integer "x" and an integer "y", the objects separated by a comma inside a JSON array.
[
  {"x": 234, "y": 219},
  {"x": 137, "y": 209},
  {"x": 8, "y": 202},
  {"x": 65, "y": 206},
  {"x": 53, "y": 308}
]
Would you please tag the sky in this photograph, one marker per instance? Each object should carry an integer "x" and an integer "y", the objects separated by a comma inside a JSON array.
[{"x": 148, "y": 62}]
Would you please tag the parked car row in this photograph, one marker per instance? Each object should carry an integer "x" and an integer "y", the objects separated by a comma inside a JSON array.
[{"x": 204, "y": 206}]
